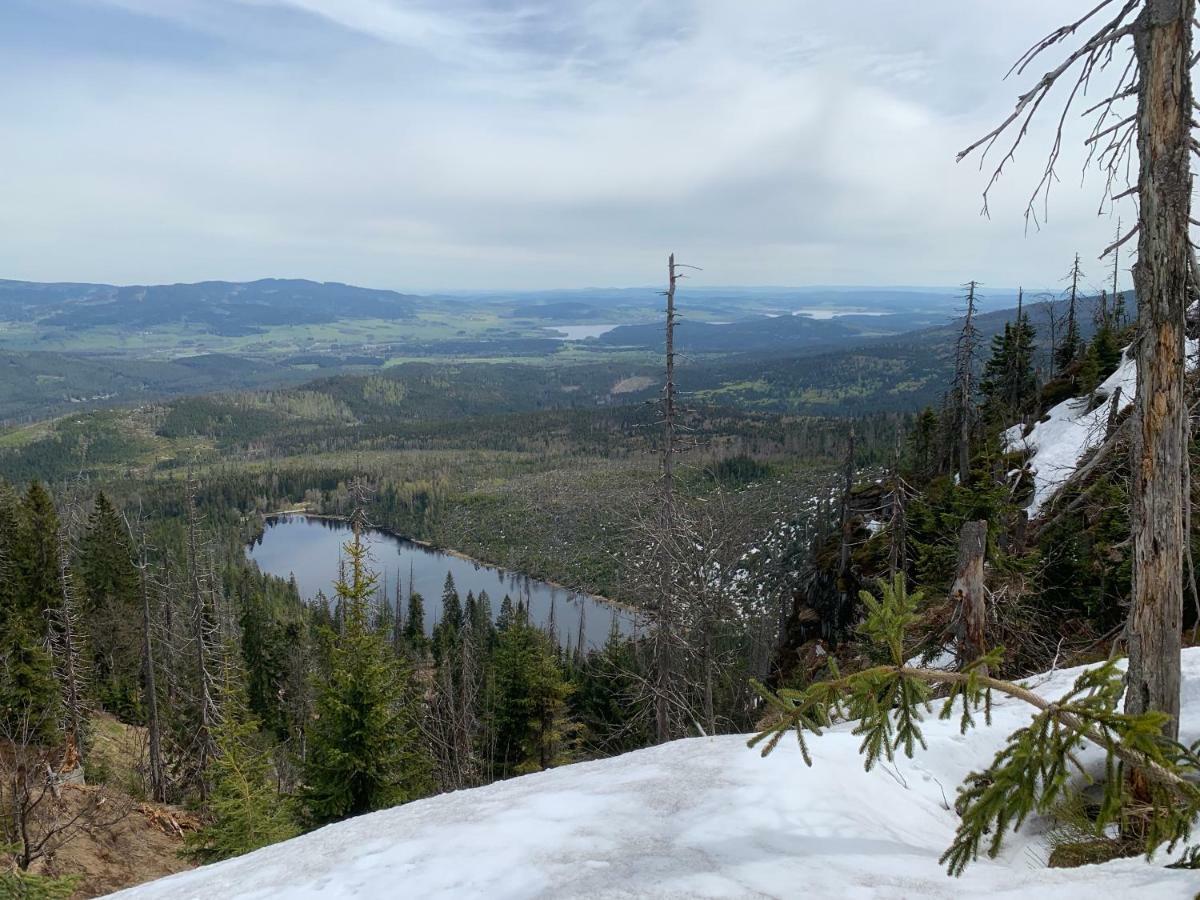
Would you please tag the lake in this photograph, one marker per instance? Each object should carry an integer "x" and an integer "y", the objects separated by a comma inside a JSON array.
[
  {"x": 580, "y": 332},
  {"x": 824, "y": 313},
  {"x": 310, "y": 549}
]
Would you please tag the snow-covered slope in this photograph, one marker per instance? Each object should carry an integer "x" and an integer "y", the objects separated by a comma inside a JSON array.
[
  {"x": 695, "y": 818},
  {"x": 1070, "y": 430}
]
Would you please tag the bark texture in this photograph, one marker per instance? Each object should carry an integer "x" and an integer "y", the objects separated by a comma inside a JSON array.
[
  {"x": 968, "y": 591},
  {"x": 1163, "y": 46}
]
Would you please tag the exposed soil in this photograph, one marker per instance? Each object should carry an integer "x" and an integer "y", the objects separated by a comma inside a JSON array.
[{"x": 144, "y": 844}]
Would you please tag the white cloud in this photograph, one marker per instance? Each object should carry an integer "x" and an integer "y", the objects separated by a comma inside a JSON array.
[{"x": 475, "y": 144}]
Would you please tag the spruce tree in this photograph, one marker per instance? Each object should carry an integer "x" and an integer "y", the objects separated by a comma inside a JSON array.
[
  {"x": 1072, "y": 343},
  {"x": 365, "y": 748},
  {"x": 10, "y": 523},
  {"x": 112, "y": 609},
  {"x": 1040, "y": 765},
  {"x": 37, "y": 563},
  {"x": 529, "y": 720},
  {"x": 452, "y": 611},
  {"x": 247, "y": 811},
  {"x": 469, "y": 610},
  {"x": 447, "y": 632},
  {"x": 414, "y": 625},
  {"x": 482, "y": 628},
  {"x": 1107, "y": 349},
  {"x": 922, "y": 443},
  {"x": 265, "y": 658},
  {"x": 507, "y": 613},
  {"x": 604, "y": 700},
  {"x": 1009, "y": 383},
  {"x": 29, "y": 696}
]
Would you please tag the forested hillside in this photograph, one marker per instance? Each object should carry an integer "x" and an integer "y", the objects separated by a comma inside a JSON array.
[
  {"x": 674, "y": 590},
  {"x": 552, "y": 473}
]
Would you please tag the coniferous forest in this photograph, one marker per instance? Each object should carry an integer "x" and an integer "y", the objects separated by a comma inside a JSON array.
[{"x": 822, "y": 524}]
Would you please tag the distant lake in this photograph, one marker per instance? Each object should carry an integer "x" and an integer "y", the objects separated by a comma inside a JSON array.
[
  {"x": 832, "y": 312},
  {"x": 581, "y": 332},
  {"x": 310, "y": 549}
]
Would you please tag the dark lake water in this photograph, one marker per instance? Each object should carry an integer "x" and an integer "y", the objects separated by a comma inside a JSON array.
[{"x": 311, "y": 549}]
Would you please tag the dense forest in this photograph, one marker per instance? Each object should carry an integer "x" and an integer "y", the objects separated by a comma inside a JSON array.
[
  {"x": 131, "y": 598},
  {"x": 805, "y": 523}
]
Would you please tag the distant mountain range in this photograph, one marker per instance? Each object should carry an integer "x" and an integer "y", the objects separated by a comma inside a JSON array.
[
  {"x": 220, "y": 307},
  {"x": 801, "y": 350}
]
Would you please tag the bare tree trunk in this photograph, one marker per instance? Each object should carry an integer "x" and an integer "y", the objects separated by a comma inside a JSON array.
[
  {"x": 968, "y": 591},
  {"x": 898, "y": 530},
  {"x": 706, "y": 650},
  {"x": 668, "y": 461},
  {"x": 964, "y": 362},
  {"x": 1116, "y": 272},
  {"x": 845, "y": 588},
  {"x": 1114, "y": 409},
  {"x": 204, "y": 628},
  {"x": 665, "y": 630},
  {"x": 157, "y": 773},
  {"x": 1163, "y": 46},
  {"x": 69, "y": 660}
]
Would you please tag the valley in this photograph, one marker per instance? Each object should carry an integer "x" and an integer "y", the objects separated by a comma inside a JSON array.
[{"x": 604, "y": 450}]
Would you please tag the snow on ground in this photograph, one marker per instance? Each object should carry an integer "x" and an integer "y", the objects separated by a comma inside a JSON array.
[
  {"x": 1070, "y": 430},
  {"x": 704, "y": 817}
]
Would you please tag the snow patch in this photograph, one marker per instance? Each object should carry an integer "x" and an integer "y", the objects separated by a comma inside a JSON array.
[
  {"x": 705, "y": 817},
  {"x": 1070, "y": 430}
]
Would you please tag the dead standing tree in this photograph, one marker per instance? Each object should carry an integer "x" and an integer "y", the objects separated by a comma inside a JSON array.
[
  {"x": 1115, "y": 316},
  {"x": 205, "y": 639},
  {"x": 69, "y": 660},
  {"x": 966, "y": 348},
  {"x": 898, "y": 520},
  {"x": 847, "y": 587},
  {"x": 1157, "y": 76},
  {"x": 968, "y": 593},
  {"x": 155, "y": 770},
  {"x": 666, "y": 628},
  {"x": 1072, "y": 343},
  {"x": 656, "y": 572}
]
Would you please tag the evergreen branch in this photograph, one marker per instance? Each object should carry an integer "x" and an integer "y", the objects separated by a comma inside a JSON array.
[{"x": 1038, "y": 763}]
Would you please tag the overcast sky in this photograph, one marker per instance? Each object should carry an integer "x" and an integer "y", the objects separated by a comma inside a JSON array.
[{"x": 463, "y": 144}]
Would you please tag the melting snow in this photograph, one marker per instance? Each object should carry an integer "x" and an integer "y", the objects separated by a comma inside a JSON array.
[
  {"x": 704, "y": 817},
  {"x": 1069, "y": 431}
]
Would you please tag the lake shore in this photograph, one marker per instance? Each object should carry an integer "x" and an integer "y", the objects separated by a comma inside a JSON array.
[{"x": 305, "y": 512}]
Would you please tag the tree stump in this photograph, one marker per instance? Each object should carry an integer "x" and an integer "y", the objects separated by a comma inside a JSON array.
[{"x": 967, "y": 592}]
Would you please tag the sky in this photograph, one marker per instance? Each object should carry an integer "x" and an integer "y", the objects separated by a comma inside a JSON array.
[{"x": 426, "y": 145}]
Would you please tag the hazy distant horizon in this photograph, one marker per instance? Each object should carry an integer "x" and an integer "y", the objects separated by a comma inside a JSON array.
[
  {"x": 688, "y": 286},
  {"x": 499, "y": 145}
]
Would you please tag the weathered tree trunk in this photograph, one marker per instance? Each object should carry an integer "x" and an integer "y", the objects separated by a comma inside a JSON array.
[
  {"x": 199, "y": 597},
  {"x": 1114, "y": 409},
  {"x": 963, "y": 364},
  {"x": 156, "y": 772},
  {"x": 668, "y": 461},
  {"x": 846, "y": 593},
  {"x": 968, "y": 592},
  {"x": 1163, "y": 46},
  {"x": 663, "y": 655},
  {"x": 70, "y": 662},
  {"x": 709, "y": 667},
  {"x": 898, "y": 531}
]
